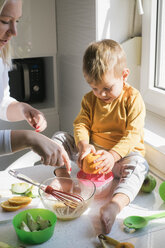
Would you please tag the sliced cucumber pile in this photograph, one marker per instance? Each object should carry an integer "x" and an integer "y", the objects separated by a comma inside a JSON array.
[{"x": 34, "y": 225}]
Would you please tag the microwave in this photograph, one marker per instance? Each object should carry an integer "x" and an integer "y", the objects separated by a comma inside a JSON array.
[{"x": 27, "y": 80}]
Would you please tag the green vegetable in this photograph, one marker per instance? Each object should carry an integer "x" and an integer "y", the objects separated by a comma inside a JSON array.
[
  {"x": 42, "y": 223},
  {"x": 24, "y": 189},
  {"x": 149, "y": 184},
  {"x": 32, "y": 224},
  {"x": 24, "y": 227},
  {"x": 19, "y": 188},
  {"x": 32, "y": 192}
]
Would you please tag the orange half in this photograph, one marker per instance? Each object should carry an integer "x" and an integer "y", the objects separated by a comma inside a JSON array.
[
  {"x": 9, "y": 207},
  {"x": 20, "y": 200}
]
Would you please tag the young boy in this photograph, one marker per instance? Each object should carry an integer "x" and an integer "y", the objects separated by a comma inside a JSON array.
[{"x": 111, "y": 123}]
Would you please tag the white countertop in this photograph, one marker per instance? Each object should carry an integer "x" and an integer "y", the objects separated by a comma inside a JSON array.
[
  {"x": 66, "y": 234},
  {"x": 82, "y": 232}
]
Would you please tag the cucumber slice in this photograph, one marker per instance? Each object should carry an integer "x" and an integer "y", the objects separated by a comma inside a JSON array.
[
  {"x": 42, "y": 223},
  {"x": 32, "y": 192},
  {"x": 24, "y": 227},
  {"x": 31, "y": 223},
  {"x": 19, "y": 188}
]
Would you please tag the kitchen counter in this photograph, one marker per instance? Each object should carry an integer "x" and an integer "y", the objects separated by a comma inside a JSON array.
[{"x": 82, "y": 232}]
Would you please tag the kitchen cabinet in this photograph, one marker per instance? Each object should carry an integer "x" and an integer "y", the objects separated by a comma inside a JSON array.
[
  {"x": 36, "y": 30},
  {"x": 37, "y": 38}
]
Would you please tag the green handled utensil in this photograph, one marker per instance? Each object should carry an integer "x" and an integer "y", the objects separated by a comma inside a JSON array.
[{"x": 138, "y": 222}]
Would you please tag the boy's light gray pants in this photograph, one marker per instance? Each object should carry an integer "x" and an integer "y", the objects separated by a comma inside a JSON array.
[{"x": 131, "y": 170}]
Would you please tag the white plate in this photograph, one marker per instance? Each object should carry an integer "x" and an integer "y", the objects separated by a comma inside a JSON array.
[{"x": 38, "y": 173}]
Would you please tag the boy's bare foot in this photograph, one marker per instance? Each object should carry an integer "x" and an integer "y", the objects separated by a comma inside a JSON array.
[
  {"x": 108, "y": 215},
  {"x": 109, "y": 211}
]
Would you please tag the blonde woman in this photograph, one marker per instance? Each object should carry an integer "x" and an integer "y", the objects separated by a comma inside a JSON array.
[{"x": 11, "y": 110}]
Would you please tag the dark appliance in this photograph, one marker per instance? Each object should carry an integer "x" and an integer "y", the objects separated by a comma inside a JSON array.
[{"x": 27, "y": 80}]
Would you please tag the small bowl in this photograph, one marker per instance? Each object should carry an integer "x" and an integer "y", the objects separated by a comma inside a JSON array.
[
  {"x": 83, "y": 187},
  {"x": 36, "y": 237}
]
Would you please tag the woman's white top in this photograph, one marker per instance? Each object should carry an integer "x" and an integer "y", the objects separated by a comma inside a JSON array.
[{"x": 5, "y": 100}]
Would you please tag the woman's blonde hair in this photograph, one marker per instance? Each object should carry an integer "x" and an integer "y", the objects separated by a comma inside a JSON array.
[
  {"x": 103, "y": 56},
  {"x": 6, "y": 50}
]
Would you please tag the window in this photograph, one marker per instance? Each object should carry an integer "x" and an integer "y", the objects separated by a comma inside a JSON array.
[
  {"x": 152, "y": 83},
  {"x": 160, "y": 48}
]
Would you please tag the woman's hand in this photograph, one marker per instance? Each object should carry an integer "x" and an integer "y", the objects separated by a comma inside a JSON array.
[
  {"x": 50, "y": 152},
  {"x": 18, "y": 111},
  {"x": 34, "y": 117}
]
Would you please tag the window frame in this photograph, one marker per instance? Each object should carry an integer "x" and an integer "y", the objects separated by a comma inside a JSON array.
[{"x": 154, "y": 98}]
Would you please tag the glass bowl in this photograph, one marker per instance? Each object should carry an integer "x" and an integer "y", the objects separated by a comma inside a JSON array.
[
  {"x": 35, "y": 237},
  {"x": 82, "y": 187}
]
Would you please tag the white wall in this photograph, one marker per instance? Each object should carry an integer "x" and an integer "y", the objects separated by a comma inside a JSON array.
[{"x": 78, "y": 24}]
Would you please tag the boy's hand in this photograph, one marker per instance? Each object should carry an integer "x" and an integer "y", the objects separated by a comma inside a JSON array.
[
  {"x": 84, "y": 149},
  {"x": 107, "y": 159},
  {"x": 34, "y": 117}
]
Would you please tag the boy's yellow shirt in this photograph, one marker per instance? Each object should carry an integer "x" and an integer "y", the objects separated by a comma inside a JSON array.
[{"x": 117, "y": 125}]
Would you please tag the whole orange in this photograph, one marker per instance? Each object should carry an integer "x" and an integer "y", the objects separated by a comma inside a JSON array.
[{"x": 89, "y": 166}]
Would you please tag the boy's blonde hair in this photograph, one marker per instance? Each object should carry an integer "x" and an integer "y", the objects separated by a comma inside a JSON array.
[
  {"x": 6, "y": 50},
  {"x": 103, "y": 56}
]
